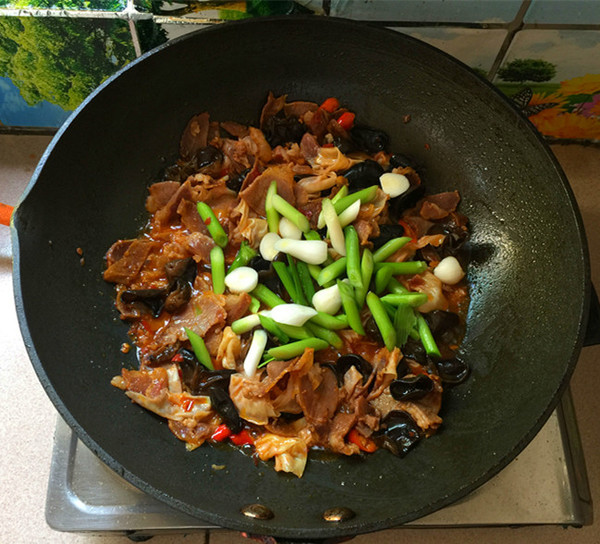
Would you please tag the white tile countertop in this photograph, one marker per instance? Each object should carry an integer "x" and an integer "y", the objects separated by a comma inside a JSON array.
[{"x": 29, "y": 421}]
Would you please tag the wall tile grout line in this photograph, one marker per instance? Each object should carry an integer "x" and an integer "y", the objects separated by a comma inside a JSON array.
[{"x": 514, "y": 26}]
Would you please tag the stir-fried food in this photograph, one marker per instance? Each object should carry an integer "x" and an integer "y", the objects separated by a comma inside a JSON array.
[{"x": 295, "y": 288}]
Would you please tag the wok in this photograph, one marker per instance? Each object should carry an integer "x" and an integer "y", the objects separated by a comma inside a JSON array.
[{"x": 529, "y": 274}]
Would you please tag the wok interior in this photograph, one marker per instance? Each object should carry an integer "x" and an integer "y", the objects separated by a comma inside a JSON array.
[{"x": 528, "y": 275}]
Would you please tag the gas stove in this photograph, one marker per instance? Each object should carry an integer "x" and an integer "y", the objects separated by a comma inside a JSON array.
[{"x": 545, "y": 485}]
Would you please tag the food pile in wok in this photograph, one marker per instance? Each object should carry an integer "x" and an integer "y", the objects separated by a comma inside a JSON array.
[{"x": 294, "y": 288}]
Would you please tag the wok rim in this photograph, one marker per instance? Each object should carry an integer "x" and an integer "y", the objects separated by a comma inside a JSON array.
[{"x": 270, "y": 527}]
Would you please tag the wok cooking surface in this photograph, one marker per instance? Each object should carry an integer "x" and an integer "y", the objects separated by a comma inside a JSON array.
[{"x": 522, "y": 346}]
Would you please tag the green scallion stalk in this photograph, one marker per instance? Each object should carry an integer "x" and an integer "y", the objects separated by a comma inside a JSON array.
[
  {"x": 287, "y": 210},
  {"x": 212, "y": 224},
  {"x": 306, "y": 280},
  {"x": 406, "y": 267},
  {"x": 382, "y": 320},
  {"x": 270, "y": 211},
  {"x": 411, "y": 299},
  {"x": 270, "y": 326},
  {"x": 312, "y": 235},
  {"x": 254, "y": 305},
  {"x": 332, "y": 322},
  {"x": 244, "y": 255},
  {"x": 295, "y": 332},
  {"x": 325, "y": 334},
  {"x": 199, "y": 348},
  {"x": 288, "y": 351},
  {"x": 314, "y": 270},
  {"x": 350, "y": 307},
  {"x": 365, "y": 195},
  {"x": 427, "y": 337},
  {"x": 245, "y": 324},
  {"x": 389, "y": 248},
  {"x": 404, "y": 322},
  {"x": 332, "y": 271},
  {"x": 266, "y": 296},
  {"x": 382, "y": 279},
  {"x": 300, "y": 297},
  {"x": 366, "y": 270},
  {"x": 217, "y": 267},
  {"x": 286, "y": 279},
  {"x": 338, "y": 196},
  {"x": 353, "y": 258},
  {"x": 394, "y": 286}
]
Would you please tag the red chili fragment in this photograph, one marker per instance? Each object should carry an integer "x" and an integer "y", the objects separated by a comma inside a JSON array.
[
  {"x": 207, "y": 220},
  {"x": 242, "y": 438},
  {"x": 177, "y": 358},
  {"x": 364, "y": 443},
  {"x": 221, "y": 433},
  {"x": 330, "y": 104},
  {"x": 346, "y": 120}
]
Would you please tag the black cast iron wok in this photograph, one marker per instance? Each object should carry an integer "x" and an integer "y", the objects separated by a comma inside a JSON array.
[{"x": 529, "y": 276}]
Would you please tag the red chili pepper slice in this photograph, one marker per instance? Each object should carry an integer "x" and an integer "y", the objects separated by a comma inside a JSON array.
[
  {"x": 242, "y": 438},
  {"x": 346, "y": 120},
  {"x": 330, "y": 104},
  {"x": 187, "y": 405},
  {"x": 364, "y": 443},
  {"x": 177, "y": 358},
  {"x": 221, "y": 433},
  {"x": 207, "y": 220}
]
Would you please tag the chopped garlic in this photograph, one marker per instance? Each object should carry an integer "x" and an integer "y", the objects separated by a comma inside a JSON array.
[
  {"x": 292, "y": 314},
  {"x": 267, "y": 246},
  {"x": 287, "y": 229},
  {"x": 309, "y": 251},
  {"x": 449, "y": 271},
  {"x": 328, "y": 300},
  {"x": 242, "y": 280},
  {"x": 394, "y": 184}
]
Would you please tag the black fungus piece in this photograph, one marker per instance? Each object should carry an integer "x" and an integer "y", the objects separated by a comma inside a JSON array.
[
  {"x": 181, "y": 274},
  {"x": 445, "y": 326},
  {"x": 387, "y": 233},
  {"x": 209, "y": 160},
  {"x": 456, "y": 236},
  {"x": 363, "y": 174},
  {"x": 372, "y": 330},
  {"x": 197, "y": 377},
  {"x": 399, "y": 433},
  {"x": 221, "y": 402},
  {"x": 397, "y": 160},
  {"x": 234, "y": 183},
  {"x": 266, "y": 273},
  {"x": 453, "y": 371},
  {"x": 281, "y": 130},
  {"x": 369, "y": 140},
  {"x": 152, "y": 299},
  {"x": 163, "y": 355},
  {"x": 397, "y": 206},
  {"x": 345, "y": 362},
  {"x": 413, "y": 349},
  {"x": 184, "y": 269},
  {"x": 345, "y": 145},
  {"x": 411, "y": 388}
]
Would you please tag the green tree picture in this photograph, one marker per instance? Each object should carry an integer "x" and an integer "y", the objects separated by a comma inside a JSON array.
[
  {"x": 521, "y": 70},
  {"x": 106, "y": 5},
  {"x": 61, "y": 60}
]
